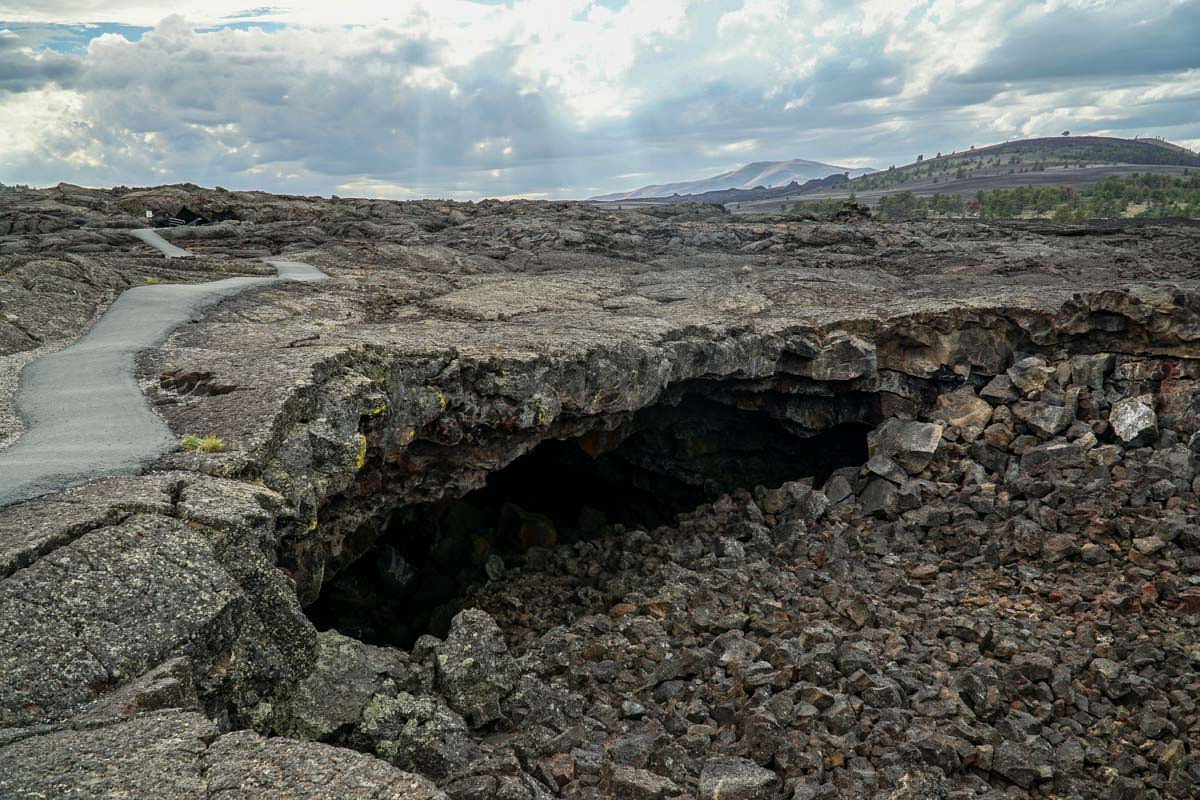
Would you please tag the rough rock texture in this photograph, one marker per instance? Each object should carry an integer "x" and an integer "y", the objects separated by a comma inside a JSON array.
[
  {"x": 181, "y": 755},
  {"x": 474, "y": 670},
  {"x": 1000, "y": 601}
]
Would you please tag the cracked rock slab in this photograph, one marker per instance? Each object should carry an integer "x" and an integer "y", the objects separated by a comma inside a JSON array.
[{"x": 105, "y": 609}]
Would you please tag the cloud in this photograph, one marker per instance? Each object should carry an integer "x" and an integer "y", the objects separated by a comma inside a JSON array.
[
  {"x": 566, "y": 97},
  {"x": 1077, "y": 41},
  {"x": 23, "y": 70}
]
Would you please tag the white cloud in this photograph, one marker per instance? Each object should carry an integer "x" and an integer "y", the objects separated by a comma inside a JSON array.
[
  {"x": 28, "y": 115},
  {"x": 373, "y": 187},
  {"x": 738, "y": 148}
]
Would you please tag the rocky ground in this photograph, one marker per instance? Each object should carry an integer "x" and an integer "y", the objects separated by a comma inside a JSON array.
[{"x": 1001, "y": 602}]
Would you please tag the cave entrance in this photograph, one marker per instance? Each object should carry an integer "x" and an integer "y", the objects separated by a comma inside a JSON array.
[{"x": 665, "y": 460}]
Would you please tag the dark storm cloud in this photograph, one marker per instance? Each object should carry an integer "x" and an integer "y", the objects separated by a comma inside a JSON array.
[
  {"x": 22, "y": 70},
  {"x": 1128, "y": 38}
]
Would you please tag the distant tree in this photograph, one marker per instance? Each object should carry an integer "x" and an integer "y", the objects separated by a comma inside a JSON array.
[
  {"x": 1066, "y": 133},
  {"x": 939, "y": 155},
  {"x": 972, "y": 147},
  {"x": 921, "y": 157}
]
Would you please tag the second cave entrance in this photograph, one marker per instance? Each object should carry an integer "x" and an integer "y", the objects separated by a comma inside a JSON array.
[{"x": 665, "y": 460}]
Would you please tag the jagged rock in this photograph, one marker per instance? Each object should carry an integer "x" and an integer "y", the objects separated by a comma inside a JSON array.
[
  {"x": 474, "y": 668},
  {"x": 345, "y": 678},
  {"x": 1023, "y": 764},
  {"x": 841, "y": 357},
  {"x": 837, "y": 489},
  {"x": 878, "y": 498},
  {"x": 962, "y": 409},
  {"x": 1052, "y": 456},
  {"x": 927, "y": 784},
  {"x": 1091, "y": 370},
  {"x": 999, "y": 390},
  {"x": 1133, "y": 420},
  {"x": 169, "y": 685},
  {"x": 417, "y": 733},
  {"x": 909, "y": 444},
  {"x": 736, "y": 779},
  {"x": 640, "y": 784},
  {"x": 885, "y": 467},
  {"x": 1093, "y": 554},
  {"x": 1046, "y": 419},
  {"x": 1030, "y": 375}
]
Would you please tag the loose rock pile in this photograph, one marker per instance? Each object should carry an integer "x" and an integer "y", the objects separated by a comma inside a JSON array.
[{"x": 1001, "y": 602}]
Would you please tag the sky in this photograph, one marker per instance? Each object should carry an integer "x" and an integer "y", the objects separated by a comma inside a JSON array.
[{"x": 468, "y": 99}]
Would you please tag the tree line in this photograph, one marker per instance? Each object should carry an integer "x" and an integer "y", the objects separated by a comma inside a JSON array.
[{"x": 1138, "y": 195}]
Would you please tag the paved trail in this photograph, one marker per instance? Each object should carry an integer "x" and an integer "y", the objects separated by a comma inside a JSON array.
[
  {"x": 84, "y": 413},
  {"x": 152, "y": 238}
]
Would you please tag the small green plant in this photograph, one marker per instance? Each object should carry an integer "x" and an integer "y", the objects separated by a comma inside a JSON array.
[
  {"x": 204, "y": 444},
  {"x": 150, "y": 281}
]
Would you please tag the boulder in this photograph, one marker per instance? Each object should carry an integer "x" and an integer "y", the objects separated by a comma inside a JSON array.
[
  {"x": 962, "y": 409},
  {"x": 878, "y": 498},
  {"x": 999, "y": 390},
  {"x": 1052, "y": 456},
  {"x": 417, "y": 733},
  {"x": 160, "y": 754},
  {"x": 1091, "y": 370},
  {"x": 910, "y": 444},
  {"x": 86, "y": 609},
  {"x": 1133, "y": 420},
  {"x": 346, "y": 677},
  {"x": 641, "y": 784},
  {"x": 474, "y": 669},
  {"x": 736, "y": 779},
  {"x": 1048, "y": 420},
  {"x": 1030, "y": 375},
  {"x": 1023, "y": 763}
]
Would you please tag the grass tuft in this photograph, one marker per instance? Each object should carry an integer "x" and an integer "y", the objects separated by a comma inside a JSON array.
[{"x": 203, "y": 444}]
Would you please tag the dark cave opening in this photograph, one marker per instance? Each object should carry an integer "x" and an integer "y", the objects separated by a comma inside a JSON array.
[{"x": 666, "y": 460}]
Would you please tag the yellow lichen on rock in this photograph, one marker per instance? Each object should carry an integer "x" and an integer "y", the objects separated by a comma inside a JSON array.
[{"x": 360, "y": 456}]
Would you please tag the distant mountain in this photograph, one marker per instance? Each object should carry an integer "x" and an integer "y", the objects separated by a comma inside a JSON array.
[
  {"x": 1027, "y": 161},
  {"x": 759, "y": 174}
]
